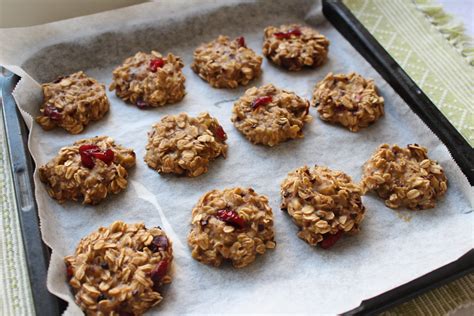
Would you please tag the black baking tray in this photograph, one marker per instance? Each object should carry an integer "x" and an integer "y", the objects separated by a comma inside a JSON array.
[{"x": 38, "y": 254}]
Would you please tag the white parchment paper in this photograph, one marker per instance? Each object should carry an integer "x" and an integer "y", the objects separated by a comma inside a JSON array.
[{"x": 393, "y": 247}]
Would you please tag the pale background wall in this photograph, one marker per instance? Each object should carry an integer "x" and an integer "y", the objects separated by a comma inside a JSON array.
[{"x": 15, "y": 13}]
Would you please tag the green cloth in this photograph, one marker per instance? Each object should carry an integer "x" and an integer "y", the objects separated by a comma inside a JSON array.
[
  {"x": 429, "y": 46},
  {"x": 15, "y": 293},
  {"x": 432, "y": 56}
]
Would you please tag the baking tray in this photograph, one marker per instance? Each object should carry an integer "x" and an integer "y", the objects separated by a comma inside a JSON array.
[{"x": 37, "y": 253}]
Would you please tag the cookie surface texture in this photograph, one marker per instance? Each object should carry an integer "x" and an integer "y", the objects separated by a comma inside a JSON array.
[
  {"x": 150, "y": 80},
  {"x": 72, "y": 102},
  {"x": 269, "y": 115},
  {"x": 405, "y": 177},
  {"x": 89, "y": 170},
  {"x": 323, "y": 203},
  {"x": 119, "y": 270},
  {"x": 185, "y": 145},
  {"x": 226, "y": 63},
  {"x": 348, "y": 100},
  {"x": 231, "y": 225},
  {"x": 295, "y": 47}
]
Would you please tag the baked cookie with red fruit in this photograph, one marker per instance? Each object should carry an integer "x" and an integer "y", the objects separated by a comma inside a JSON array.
[
  {"x": 149, "y": 80},
  {"x": 325, "y": 204},
  {"x": 231, "y": 225},
  {"x": 269, "y": 115},
  {"x": 349, "y": 100},
  {"x": 72, "y": 102},
  {"x": 405, "y": 177},
  {"x": 295, "y": 47},
  {"x": 226, "y": 63},
  {"x": 185, "y": 145},
  {"x": 89, "y": 170},
  {"x": 120, "y": 269}
]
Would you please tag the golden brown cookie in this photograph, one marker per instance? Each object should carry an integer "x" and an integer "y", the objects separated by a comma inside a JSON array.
[
  {"x": 269, "y": 115},
  {"x": 233, "y": 224},
  {"x": 405, "y": 177},
  {"x": 182, "y": 144},
  {"x": 294, "y": 46},
  {"x": 349, "y": 100},
  {"x": 323, "y": 203},
  {"x": 72, "y": 102},
  {"x": 226, "y": 63},
  {"x": 149, "y": 80},
  {"x": 88, "y": 170},
  {"x": 118, "y": 270}
]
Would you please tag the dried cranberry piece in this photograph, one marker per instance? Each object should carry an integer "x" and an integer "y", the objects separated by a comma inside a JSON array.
[
  {"x": 87, "y": 160},
  {"x": 86, "y": 155},
  {"x": 109, "y": 156},
  {"x": 329, "y": 240},
  {"x": 219, "y": 133},
  {"x": 261, "y": 101},
  {"x": 155, "y": 64},
  {"x": 159, "y": 272},
  {"x": 89, "y": 147},
  {"x": 106, "y": 156},
  {"x": 69, "y": 271},
  {"x": 287, "y": 34},
  {"x": 88, "y": 152},
  {"x": 231, "y": 217},
  {"x": 159, "y": 243},
  {"x": 53, "y": 113},
  {"x": 241, "y": 41},
  {"x": 97, "y": 154},
  {"x": 141, "y": 104}
]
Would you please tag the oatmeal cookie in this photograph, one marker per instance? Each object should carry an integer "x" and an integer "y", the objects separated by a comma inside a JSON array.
[
  {"x": 349, "y": 100},
  {"x": 72, "y": 102},
  {"x": 149, "y": 80},
  {"x": 233, "y": 224},
  {"x": 269, "y": 115},
  {"x": 88, "y": 170},
  {"x": 182, "y": 144},
  {"x": 405, "y": 177},
  {"x": 118, "y": 270},
  {"x": 294, "y": 46},
  {"x": 324, "y": 203},
  {"x": 225, "y": 63}
]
